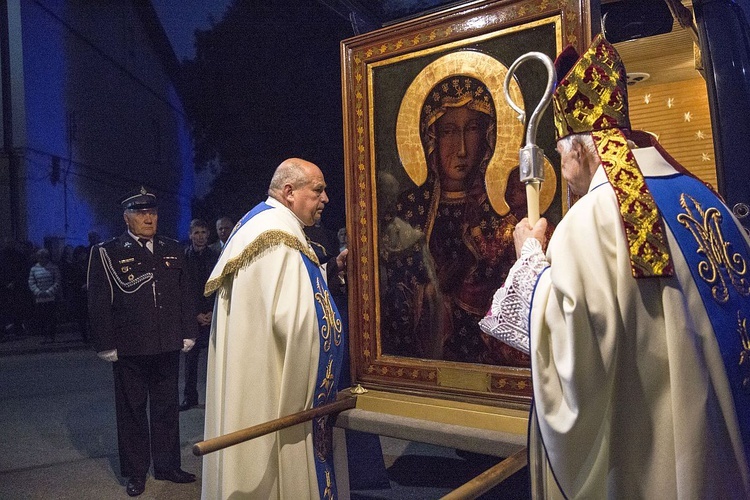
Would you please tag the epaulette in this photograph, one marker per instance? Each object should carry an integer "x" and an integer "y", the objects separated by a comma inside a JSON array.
[
  {"x": 108, "y": 242},
  {"x": 167, "y": 238}
]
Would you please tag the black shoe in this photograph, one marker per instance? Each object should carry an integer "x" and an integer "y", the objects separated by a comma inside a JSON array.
[
  {"x": 176, "y": 476},
  {"x": 186, "y": 406},
  {"x": 135, "y": 486}
]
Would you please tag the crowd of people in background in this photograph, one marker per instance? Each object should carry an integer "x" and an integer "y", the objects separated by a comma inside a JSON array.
[
  {"x": 43, "y": 299},
  {"x": 43, "y": 288},
  {"x": 39, "y": 286}
]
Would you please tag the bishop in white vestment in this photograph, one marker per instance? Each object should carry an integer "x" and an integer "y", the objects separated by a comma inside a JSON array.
[{"x": 636, "y": 317}]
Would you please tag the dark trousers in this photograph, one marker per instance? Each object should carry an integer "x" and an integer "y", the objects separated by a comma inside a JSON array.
[
  {"x": 140, "y": 381},
  {"x": 190, "y": 393},
  {"x": 46, "y": 319}
]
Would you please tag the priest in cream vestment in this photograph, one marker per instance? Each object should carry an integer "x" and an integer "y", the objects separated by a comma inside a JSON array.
[
  {"x": 636, "y": 317},
  {"x": 275, "y": 348}
]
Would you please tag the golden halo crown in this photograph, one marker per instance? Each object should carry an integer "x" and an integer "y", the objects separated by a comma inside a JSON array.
[{"x": 592, "y": 93}]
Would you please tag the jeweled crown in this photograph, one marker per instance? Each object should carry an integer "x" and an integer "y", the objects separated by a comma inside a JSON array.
[{"x": 454, "y": 92}]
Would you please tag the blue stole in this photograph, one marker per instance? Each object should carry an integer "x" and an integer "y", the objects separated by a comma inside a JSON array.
[
  {"x": 329, "y": 367},
  {"x": 719, "y": 260},
  {"x": 260, "y": 207}
]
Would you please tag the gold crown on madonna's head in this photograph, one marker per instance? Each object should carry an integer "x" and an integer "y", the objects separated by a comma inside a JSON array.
[
  {"x": 591, "y": 92},
  {"x": 454, "y": 92}
]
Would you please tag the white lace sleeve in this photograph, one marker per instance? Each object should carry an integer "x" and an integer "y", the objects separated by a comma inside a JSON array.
[{"x": 508, "y": 318}]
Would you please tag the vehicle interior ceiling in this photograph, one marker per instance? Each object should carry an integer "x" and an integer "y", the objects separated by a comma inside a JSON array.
[{"x": 667, "y": 91}]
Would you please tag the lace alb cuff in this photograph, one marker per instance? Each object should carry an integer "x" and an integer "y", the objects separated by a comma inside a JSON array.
[{"x": 508, "y": 318}]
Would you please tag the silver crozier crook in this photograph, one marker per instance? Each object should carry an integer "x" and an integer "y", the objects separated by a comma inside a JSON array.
[{"x": 531, "y": 158}]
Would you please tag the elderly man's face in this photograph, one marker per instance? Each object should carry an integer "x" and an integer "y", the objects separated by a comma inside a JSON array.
[
  {"x": 309, "y": 200},
  {"x": 574, "y": 167},
  {"x": 142, "y": 223}
]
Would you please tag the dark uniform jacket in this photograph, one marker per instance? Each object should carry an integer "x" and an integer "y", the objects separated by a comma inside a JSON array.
[
  {"x": 139, "y": 302},
  {"x": 199, "y": 266}
]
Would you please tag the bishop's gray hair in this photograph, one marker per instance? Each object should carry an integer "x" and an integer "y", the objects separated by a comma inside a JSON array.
[{"x": 566, "y": 143}]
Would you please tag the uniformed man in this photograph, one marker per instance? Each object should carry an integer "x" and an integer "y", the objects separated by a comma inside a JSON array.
[{"x": 142, "y": 315}]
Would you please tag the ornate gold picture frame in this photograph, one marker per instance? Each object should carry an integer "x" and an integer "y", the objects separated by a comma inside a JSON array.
[{"x": 398, "y": 84}]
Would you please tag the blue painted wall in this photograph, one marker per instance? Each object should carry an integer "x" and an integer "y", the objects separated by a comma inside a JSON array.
[{"x": 102, "y": 117}]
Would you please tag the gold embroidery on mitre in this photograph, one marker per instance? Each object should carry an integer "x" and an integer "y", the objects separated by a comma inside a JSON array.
[
  {"x": 705, "y": 226},
  {"x": 593, "y": 94},
  {"x": 649, "y": 251},
  {"x": 261, "y": 245},
  {"x": 331, "y": 324},
  {"x": 745, "y": 353}
]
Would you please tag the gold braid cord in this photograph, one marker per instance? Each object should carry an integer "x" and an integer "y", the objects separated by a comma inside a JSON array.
[
  {"x": 261, "y": 245},
  {"x": 649, "y": 252}
]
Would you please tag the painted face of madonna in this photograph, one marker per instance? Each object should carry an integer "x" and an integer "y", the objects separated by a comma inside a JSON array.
[{"x": 461, "y": 144}]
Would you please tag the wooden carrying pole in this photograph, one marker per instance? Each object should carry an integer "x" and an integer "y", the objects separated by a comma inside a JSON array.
[
  {"x": 490, "y": 478},
  {"x": 237, "y": 437}
]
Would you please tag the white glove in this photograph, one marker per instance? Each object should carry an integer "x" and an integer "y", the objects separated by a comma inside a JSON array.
[
  {"x": 187, "y": 344},
  {"x": 110, "y": 355}
]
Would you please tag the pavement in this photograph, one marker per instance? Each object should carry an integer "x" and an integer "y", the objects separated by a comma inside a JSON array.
[
  {"x": 58, "y": 435},
  {"x": 67, "y": 339}
]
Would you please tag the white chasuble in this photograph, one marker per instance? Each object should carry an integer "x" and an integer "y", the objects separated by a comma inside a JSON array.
[
  {"x": 262, "y": 364},
  {"x": 630, "y": 390}
]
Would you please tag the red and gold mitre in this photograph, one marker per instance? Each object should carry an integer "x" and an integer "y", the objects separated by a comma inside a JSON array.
[
  {"x": 592, "y": 98},
  {"x": 592, "y": 91}
]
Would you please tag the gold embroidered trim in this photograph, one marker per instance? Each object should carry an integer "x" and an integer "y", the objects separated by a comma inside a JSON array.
[
  {"x": 325, "y": 389},
  {"x": 453, "y": 195},
  {"x": 261, "y": 245},
  {"x": 328, "y": 492},
  {"x": 331, "y": 329},
  {"x": 705, "y": 226},
  {"x": 649, "y": 251},
  {"x": 745, "y": 352}
]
